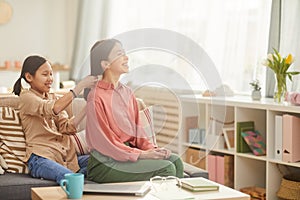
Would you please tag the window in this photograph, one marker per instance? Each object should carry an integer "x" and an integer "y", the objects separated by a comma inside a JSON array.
[
  {"x": 234, "y": 33},
  {"x": 290, "y": 38}
]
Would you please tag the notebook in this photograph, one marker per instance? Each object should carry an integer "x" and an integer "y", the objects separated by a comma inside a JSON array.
[
  {"x": 199, "y": 184},
  {"x": 132, "y": 188},
  {"x": 255, "y": 141},
  {"x": 242, "y": 146}
]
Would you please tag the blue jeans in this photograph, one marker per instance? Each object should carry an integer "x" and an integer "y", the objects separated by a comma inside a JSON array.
[{"x": 40, "y": 167}]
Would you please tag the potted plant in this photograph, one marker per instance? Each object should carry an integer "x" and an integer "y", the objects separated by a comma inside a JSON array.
[{"x": 256, "y": 94}]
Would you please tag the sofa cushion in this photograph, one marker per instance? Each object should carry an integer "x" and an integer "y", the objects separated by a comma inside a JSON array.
[
  {"x": 146, "y": 117},
  {"x": 80, "y": 144},
  {"x": 18, "y": 186},
  {"x": 11, "y": 101},
  {"x": 193, "y": 171},
  {"x": 12, "y": 140}
]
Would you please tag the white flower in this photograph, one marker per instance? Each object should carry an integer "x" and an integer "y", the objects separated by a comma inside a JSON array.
[
  {"x": 270, "y": 57},
  {"x": 265, "y": 62}
]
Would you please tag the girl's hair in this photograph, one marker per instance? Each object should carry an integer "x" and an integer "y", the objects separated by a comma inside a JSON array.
[
  {"x": 31, "y": 65},
  {"x": 100, "y": 51}
]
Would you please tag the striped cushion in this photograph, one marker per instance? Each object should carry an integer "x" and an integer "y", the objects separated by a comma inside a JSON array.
[
  {"x": 80, "y": 143},
  {"x": 12, "y": 140},
  {"x": 146, "y": 117}
]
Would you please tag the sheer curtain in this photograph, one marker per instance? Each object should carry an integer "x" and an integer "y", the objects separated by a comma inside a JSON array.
[
  {"x": 91, "y": 26},
  {"x": 234, "y": 33},
  {"x": 290, "y": 37}
]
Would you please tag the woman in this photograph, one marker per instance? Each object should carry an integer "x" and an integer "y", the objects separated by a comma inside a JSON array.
[
  {"x": 49, "y": 151},
  {"x": 120, "y": 149}
]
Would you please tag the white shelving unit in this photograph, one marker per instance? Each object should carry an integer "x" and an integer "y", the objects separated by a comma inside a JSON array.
[{"x": 249, "y": 170}]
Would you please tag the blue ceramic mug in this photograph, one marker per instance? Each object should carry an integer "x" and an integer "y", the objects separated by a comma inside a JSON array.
[{"x": 72, "y": 184}]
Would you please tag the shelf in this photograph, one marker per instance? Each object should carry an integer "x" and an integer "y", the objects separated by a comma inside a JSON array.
[
  {"x": 10, "y": 69},
  {"x": 55, "y": 67},
  {"x": 252, "y": 156},
  {"x": 243, "y": 102},
  {"x": 297, "y": 164},
  {"x": 196, "y": 146},
  {"x": 224, "y": 151},
  {"x": 249, "y": 169},
  {"x": 201, "y": 147}
]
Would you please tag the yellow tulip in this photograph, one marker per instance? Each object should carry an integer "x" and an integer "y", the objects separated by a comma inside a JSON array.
[{"x": 289, "y": 59}]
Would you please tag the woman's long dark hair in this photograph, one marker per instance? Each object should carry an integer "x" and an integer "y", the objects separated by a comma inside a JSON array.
[
  {"x": 31, "y": 65},
  {"x": 99, "y": 52}
]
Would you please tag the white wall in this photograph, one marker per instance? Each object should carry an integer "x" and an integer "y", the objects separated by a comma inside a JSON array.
[{"x": 45, "y": 27}]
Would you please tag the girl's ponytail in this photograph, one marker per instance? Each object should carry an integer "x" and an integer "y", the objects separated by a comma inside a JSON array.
[
  {"x": 18, "y": 86},
  {"x": 30, "y": 65}
]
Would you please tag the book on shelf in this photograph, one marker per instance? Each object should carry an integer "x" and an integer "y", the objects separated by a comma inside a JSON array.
[
  {"x": 290, "y": 138},
  {"x": 199, "y": 184},
  {"x": 211, "y": 167},
  {"x": 255, "y": 141},
  {"x": 221, "y": 169},
  {"x": 197, "y": 136},
  {"x": 191, "y": 122},
  {"x": 229, "y": 171},
  {"x": 242, "y": 146},
  {"x": 278, "y": 137}
]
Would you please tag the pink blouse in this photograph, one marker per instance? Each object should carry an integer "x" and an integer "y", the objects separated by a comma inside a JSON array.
[{"x": 113, "y": 120}]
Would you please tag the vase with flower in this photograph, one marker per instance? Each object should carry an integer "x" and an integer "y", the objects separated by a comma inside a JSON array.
[{"x": 280, "y": 65}]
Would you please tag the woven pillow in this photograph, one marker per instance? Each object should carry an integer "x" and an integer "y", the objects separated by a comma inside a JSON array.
[
  {"x": 146, "y": 117},
  {"x": 12, "y": 140},
  {"x": 79, "y": 141}
]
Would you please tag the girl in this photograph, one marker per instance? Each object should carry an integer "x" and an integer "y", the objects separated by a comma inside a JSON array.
[
  {"x": 120, "y": 149},
  {"x": 49, "y": 151}
]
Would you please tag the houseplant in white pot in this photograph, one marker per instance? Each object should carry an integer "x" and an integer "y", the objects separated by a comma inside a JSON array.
[{"x": 256, "y": 93}]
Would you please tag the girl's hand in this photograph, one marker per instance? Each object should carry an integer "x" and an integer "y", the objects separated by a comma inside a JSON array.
[{"x": 87, "y": 82}]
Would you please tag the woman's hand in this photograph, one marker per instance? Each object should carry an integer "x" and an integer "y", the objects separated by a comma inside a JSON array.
[
  {"x": 166, "y": 152},
  {"x": 156, "y": 154}
]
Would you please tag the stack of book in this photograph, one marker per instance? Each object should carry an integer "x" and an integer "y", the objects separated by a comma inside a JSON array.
[{"x": 199, "y": 184}]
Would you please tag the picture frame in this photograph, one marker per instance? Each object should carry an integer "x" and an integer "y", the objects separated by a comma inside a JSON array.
[{"x": 229, "y": 134}]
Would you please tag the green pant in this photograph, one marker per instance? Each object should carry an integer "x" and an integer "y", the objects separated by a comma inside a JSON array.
[{"x": 103, "y": 169}]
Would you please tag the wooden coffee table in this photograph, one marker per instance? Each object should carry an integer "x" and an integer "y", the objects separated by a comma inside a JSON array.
[{"x": 56, "y": 193}]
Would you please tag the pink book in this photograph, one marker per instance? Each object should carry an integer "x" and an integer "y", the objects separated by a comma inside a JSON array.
[
  {"x": 211, "y": 166},
  {"x": 290, "y": 138},
  {"x": 220, "y": 170}
]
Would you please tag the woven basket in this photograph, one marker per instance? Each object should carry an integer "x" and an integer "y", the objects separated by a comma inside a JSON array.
[{"x": 290, "y": 187}]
